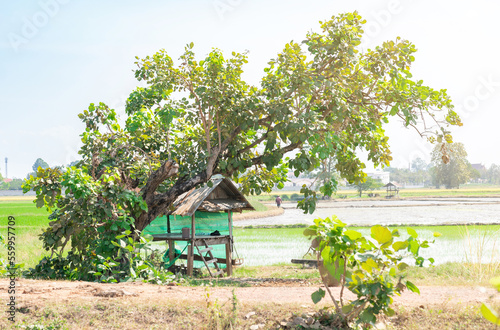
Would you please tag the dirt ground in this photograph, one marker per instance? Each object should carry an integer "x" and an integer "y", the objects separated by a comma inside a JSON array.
[{"x": 37, "y": 292}]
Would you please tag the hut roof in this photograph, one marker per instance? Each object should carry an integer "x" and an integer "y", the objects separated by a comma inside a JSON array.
[
  {"x": 390, "y": 184},
  {"x": 221, "y": 196}
]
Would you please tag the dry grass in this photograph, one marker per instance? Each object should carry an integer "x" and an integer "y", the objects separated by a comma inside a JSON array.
[
  {"x": 439, "y": 318},
  {"x": 121, "y": 314},
  {"x": 16, "y": 198},
  {"x": 479, "y": 261},
  {"x": 270, "y": 212},
  {"x": 213, "y": 314}
]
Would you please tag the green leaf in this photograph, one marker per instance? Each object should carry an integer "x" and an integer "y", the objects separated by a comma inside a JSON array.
[
  {"x": 412, "y": 232},
  {"x": 310, "y": 232},
  {"x": 414, "y": 247},
  {"x": 368, "y": 317},
  {"x": 318, "y": 295},
  {"x": 390, "y": 312},
  {"x": 496, "y": 282},
  {"x": 347, "y": 308},
  {"x": 412, "y": 287},
  {"x": 142, "y": 267},
  {"x": 399, "y": 245},
  {"x": 352, "y": 234},
  {"x": 381, "y": 234},
  {"x": 39, "y": 202},
  {"x": 490, "y": 314},
  {"x": 402, "y": 266},
  {"x": 392, "y": 271},
  {"x": 436, "y": 234},
  {"x": 372, "y": 263}
]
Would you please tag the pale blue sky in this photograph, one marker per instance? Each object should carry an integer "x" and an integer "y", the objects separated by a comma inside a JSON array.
[{"x": 57, "y": 56}]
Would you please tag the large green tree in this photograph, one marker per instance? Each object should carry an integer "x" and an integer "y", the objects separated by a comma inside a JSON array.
[
  {"x": 39, "y": 163},
  {"x": 451, "y": 167},
  {"x": 195, "y": 118}
]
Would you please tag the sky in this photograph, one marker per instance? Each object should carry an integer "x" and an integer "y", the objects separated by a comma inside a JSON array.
[{"x": 58, "y": 56}]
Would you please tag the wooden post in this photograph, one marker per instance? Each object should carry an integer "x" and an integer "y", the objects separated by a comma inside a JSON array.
[
  {"x": 190, "y": 259},
  {"x": 229, "y": 245},
  {"x": 229, "y": 259},
  {"x": 230, "y": 220},
  {"x": 168, "y": 224},
  {"x": 171, "y": 253}
]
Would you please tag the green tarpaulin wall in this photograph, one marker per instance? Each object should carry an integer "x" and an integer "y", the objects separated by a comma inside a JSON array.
[{"x": 205, "y": 224}]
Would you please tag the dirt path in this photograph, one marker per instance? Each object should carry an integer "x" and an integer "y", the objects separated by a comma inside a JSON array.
[{"x": 35, "y": 292}]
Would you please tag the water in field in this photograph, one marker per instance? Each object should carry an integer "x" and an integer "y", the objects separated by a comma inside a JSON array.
[
  {"x": 457, "y": 244},
  {"x": 442, "y": 211},
  {"x": 474, "y": 243}
]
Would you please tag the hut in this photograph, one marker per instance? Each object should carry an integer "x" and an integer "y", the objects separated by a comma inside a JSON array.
[
  {"x": 201, "y": 221},
  {"x": 392, "y": 190}
]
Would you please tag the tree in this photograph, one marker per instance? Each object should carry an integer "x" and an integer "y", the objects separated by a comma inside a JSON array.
[
  {"x": 321, "y": 98},
  {"x": 368, "y": 184},
  {"x": 418, "y": 164},
  {"x": 39, "y": 163},
  {"x": 16, "y": 184},
  {"x": 325, "y": 174},
  {"x": 451, "y": 167},
  {"x": 492, "y": 175}
]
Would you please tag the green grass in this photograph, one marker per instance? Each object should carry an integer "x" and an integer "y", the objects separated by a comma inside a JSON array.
[
  {"x": 25, "y": 213},
  {"x": 29, "y": 222},
  {"x": 259, "y": 207}
]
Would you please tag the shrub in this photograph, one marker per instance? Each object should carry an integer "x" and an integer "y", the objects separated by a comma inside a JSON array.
[
  {"x": 486, "y": 310},
  {"x": 366, "y": 267}
]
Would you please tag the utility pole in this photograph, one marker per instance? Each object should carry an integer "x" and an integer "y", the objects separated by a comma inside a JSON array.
[{"x": 6, "y": 159}]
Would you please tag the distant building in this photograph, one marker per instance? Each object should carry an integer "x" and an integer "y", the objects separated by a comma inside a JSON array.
[
  {"x": 385, "y": 177},
  {"x": 7, "y": 180},
  {"x": 479, "y": 167}
]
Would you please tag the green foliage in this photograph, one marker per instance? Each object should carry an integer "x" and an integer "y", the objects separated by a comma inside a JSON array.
[
  {"x": 487, "y": 311},
  {"x": 492, "y": 174},
  {"x": 130, "y": 263},
  {"x": 220, "y": 317},
  {"x": 419, "y": 173},
  {"x": 366, "y": 267},
  {"x": 39, "y": 163},
  {"x": 451, "y": 167}
]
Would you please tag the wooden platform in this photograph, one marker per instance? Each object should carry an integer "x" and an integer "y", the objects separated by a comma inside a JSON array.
[{"x": 197, "y": 242}]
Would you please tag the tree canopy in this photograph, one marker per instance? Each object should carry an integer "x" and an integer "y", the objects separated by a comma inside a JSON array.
[
  {"x": 451, "y": 167},
  {"x": 39, "y": 163},
  {"x": 318, "y": 99}
]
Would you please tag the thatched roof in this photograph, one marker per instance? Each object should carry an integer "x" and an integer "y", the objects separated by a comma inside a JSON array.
[
  {"x": 222, "y": 196},
  {"x": 390, "y": 184}
]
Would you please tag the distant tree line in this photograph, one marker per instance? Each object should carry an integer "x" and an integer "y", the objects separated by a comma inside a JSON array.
[
  {"x": 16, "y": 184},
  {"x": 448, "y": 168}
]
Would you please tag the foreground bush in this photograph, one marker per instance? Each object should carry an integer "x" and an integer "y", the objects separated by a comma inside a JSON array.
[{"x": 366, "y": 267}]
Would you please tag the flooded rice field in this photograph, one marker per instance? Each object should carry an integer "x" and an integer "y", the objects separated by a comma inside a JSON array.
[
  {"x": 478, "y": 243},
  {"x": 436, "y": 211}
]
